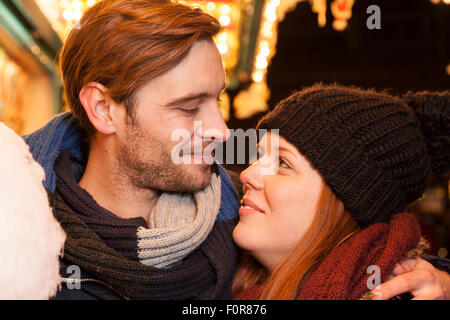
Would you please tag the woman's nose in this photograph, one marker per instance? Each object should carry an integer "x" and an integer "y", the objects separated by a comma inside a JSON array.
[{"x": 252, "y": 178}]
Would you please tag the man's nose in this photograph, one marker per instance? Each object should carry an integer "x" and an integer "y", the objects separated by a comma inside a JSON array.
[{"x": 214, "y": 126}]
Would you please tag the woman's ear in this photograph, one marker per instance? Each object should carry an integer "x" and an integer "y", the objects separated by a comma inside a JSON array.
[{"x": 99, "y": 107}]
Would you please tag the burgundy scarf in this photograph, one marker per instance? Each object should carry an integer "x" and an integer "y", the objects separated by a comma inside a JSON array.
[{"x": 343, "y": 275}]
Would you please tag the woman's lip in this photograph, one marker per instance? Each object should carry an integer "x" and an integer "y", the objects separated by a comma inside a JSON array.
[
  {"x": 250, "y": 205},
  {"x": 246, "y": 211}
]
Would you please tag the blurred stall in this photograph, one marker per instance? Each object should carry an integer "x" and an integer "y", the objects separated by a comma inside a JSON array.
[
  {"x": 247, "y": 42},
  {"x": 30, "y": 89}
]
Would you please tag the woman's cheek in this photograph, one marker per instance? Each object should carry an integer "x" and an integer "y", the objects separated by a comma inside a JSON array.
[
  {"x": 284, "y": 233},
  {"x": 290, "y": 219},
  {"x": 249, "y": 235}
]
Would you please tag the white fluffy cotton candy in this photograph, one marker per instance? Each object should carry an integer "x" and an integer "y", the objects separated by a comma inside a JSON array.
[{"x": 31, "y": 240}]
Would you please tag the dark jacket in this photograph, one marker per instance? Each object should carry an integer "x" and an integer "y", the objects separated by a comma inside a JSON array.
[{"x": 82, "y": 286}]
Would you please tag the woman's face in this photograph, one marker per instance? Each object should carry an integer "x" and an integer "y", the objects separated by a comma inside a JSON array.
[{"x": 279, "y": 206}]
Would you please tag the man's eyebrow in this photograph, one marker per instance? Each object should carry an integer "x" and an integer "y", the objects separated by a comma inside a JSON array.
[
  {"x": 185, "y": 99},
  {"x": 190, "y": 97}
]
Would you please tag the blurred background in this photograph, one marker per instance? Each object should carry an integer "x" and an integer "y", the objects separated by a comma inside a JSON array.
[{"x": 270, "y": 48}]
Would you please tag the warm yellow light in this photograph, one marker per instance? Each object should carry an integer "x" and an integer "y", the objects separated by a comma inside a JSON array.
[
  {"x": 67, "y": 14},
  {"x": 442, "y": 252},
  {"x": 261, "y": 62},
  {"x": 266, "y": 30},
  {"x": 35, "y": 49},
  {"x": 44, "y": 59},
  {"x": 339, "y": 25},
  {"x": 448, "y": 69},
  {"x": 258, "y": 76},
  {"x": 270, "y": 7},
  {"x": 265, "y": 51},
  {"x": 211, "y": 6},
  {"x": 223, "y": 48},
  {"x": 225, "y": 9},
  {"x": 446, "y": 1},
  {"x": 76, "y": 4},
  {"x": 264, "y": 43},
  {"x": 271, "y": 15},
  {"x": 275, "y": 3},
  {"x": 77, "y": 14},
  {"x": 224, "y": 20},
  {"x": 435, "y": 1},
  {"x": 222, "y": 37},
  {"x": 65, "y": 3}
]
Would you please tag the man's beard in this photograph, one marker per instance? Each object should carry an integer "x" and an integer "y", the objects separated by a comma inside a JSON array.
[{"x": 146, "y": 162}]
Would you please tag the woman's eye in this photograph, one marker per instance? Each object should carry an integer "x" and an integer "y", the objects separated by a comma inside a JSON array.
[{"x": 284, "y": 164}]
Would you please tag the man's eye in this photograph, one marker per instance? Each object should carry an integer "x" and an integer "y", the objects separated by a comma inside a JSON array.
[{"x": 190, "y": 111}]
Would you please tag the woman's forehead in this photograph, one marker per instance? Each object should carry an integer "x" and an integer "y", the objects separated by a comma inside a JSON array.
[{"x": 272, "y": 140}]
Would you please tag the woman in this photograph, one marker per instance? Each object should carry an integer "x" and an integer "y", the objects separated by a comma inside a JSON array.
[{"x": 329, "y": 221}]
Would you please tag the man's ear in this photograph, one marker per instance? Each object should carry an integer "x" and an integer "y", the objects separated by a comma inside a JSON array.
[{"x": 99, "y": 106}]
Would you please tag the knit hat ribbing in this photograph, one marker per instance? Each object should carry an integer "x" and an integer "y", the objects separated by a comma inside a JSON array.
[{"x": 368, "y": 146}]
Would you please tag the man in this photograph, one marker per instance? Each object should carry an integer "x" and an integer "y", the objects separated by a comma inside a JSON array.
[{"x": 139, "y": 225}]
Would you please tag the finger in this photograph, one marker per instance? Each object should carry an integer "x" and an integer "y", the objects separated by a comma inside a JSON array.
[
  {"x": 425, "y": 297},
  {"x": 431, "y": 295},
  {"x": 407, "y": 265},
  {"x": 399, "y": 269},
  {"x": 406, "y": 282}
]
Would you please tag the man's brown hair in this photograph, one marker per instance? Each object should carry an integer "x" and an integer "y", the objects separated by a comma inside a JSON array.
[{"x": 123, "y": 44}]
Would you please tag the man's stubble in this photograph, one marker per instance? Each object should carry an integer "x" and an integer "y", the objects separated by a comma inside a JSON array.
[{"x": 146, "y": 162}]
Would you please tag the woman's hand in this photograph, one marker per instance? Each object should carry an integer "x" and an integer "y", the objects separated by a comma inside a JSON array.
[{"x": 418, "y": 277}]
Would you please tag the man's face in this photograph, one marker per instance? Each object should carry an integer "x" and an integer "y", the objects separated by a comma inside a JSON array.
[{"x": 172, "y": 102}]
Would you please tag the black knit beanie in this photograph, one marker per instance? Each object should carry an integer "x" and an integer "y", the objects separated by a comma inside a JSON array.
[{"x": 377, "y": 152}]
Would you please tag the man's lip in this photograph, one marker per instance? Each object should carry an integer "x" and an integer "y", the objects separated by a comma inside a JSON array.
[
  {"x": 250, "y": 203},
  {"x": 201, "y": 158},
  {"x": 209, "y": 154}
]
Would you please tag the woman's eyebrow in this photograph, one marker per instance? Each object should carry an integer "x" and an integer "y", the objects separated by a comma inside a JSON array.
[
  {"x": 281, "y": 148},
  {"x": 261, "y": 150}
]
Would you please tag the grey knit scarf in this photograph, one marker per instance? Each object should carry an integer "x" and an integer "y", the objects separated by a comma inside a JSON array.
[
  {"x": 106, "y": 247},
  {"x": 178, "y": 224}
]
